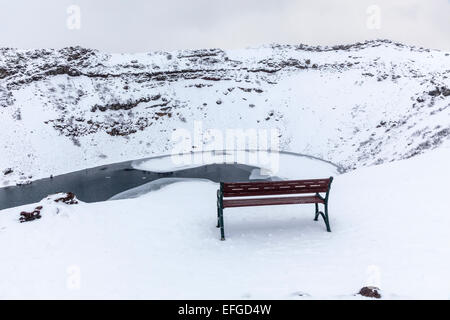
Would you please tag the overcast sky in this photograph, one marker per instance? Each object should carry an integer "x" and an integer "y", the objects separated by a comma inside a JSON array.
[{"x": 147, "y": 25}]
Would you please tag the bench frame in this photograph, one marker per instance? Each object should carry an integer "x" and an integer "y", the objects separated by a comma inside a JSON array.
[{"x": 323, "y": 186}]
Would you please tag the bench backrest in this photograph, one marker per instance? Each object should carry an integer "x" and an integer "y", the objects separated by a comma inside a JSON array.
[{"x": 245, "y": 189}]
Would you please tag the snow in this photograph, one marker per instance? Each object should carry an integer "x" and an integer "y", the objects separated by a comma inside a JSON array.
[
  {"x": 388, "y": 229},
  {"x": 151, "y": 187},
  {"x": 270, "y": 163}
]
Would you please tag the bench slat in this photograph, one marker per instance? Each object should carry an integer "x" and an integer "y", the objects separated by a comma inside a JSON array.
[
  {"x": 270, "y": 201},
  {"x": 275, "y": 187},
  {"x": 275, "y": 183},
  {"x": 270, "y": 192}
]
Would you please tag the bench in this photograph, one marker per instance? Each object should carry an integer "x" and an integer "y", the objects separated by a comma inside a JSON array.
[{"x": 250, "y": 194}]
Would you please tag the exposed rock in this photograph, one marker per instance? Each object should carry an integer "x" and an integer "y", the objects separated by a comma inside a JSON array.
[
  {"x": 30, "y": 216},
  {"x": 68, "y": 198},
  {"x": 23, "y": 180},
  {"x": 370, "y": 292},
  {"x": 125, "y": 106},
  {"x": 435, "y": 92},
  {"x": 445, "y": 91},
  {"x": 8, "y": 171}
]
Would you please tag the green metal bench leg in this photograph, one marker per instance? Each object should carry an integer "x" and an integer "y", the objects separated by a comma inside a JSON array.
[
  {"x": 220, "y": 212},
  {"x": 317, "y": 212},
  {"x": 324, "y": 216},
  {"x": 222, "y": 228},
  {"x": 218, "y": 216},
  {"x": 327, "y": 220}
]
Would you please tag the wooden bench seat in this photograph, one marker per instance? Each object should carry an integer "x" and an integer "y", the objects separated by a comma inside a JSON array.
[
  {"x": 270, "y": 201},
  {"x": 268, "y": 193}
]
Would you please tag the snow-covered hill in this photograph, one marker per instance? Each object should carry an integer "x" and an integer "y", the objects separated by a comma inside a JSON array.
[
  {"x": 386, "y": 231},
  {"x": 355, "y": 105}
]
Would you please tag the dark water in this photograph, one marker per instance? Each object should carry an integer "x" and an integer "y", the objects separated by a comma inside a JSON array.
[{"x": 101, "y": 183}]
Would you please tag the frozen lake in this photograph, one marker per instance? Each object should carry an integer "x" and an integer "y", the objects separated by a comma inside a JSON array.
[{"x": 114, "y": 180}]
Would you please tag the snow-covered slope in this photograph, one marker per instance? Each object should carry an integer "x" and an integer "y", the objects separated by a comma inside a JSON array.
[
  {"x": 385, "y": 232},
  {"x": 355, "y": 105}
]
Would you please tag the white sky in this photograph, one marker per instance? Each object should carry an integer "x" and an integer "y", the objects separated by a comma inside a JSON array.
[{"x": 147, "y": 25}]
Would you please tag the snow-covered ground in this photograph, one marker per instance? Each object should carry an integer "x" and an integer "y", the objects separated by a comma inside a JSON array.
[{"x": 389, "y": 228}]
